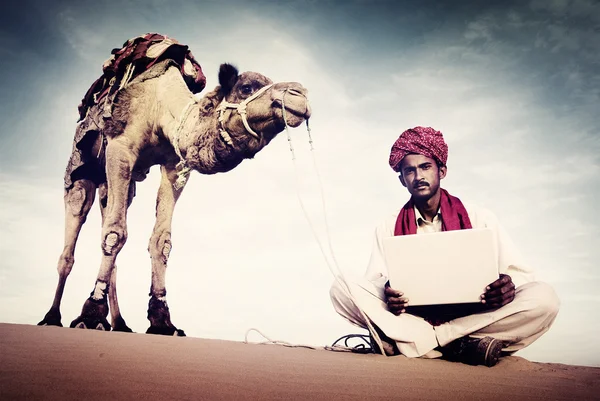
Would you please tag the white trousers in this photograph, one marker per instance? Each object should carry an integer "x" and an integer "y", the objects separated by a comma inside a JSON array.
[{"x": 517, "y": 324}]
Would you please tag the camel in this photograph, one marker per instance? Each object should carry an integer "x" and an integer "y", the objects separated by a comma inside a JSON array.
[{"x": 157, "y": 120}]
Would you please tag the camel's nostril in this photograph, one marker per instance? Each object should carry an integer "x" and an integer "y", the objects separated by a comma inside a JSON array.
[
  {"x": 296, "y": 92},
  {"x": 293, "y": 88}
]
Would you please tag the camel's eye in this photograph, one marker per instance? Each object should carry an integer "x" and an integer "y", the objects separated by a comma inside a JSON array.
[{"x": 246, "y": 89}]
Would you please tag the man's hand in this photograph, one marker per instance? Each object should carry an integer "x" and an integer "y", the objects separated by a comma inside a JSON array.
[
  {"x": 499, "y": 293},
  {"x": 395, "y": 301}
]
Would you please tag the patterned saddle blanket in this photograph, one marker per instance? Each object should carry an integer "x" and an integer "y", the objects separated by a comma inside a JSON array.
[{"x": 136, "y": 56}]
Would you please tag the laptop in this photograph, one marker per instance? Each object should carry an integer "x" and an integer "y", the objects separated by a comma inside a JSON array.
[{"x": 449, "y": 267}]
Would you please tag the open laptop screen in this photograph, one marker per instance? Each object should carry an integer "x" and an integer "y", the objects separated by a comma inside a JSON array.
[{"x": 449, "y": 267}]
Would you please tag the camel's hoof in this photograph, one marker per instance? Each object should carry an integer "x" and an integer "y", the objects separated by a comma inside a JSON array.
[
  {"x": 93, "y": 316},
  {"x": 52, "y": 318},
  {"x": 120, "y": 325},
  {"x": 166, "y": 331},
  {"x": 160, "y": 319},
  {"x": 90, "y": 322}
]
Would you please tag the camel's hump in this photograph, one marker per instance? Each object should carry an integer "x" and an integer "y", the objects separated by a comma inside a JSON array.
[{"x": 136, "y": 56}]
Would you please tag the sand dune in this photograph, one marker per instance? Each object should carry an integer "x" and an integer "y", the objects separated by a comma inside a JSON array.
[{"x": 67, "y": 364}]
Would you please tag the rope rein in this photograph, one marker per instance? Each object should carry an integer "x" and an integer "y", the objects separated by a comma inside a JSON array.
[
  {"x": 339, "y": 277},
  {"x": 361, "y": 348},
  {"x": 241, "y": 109},
  {"x": 183, "y": 171}
]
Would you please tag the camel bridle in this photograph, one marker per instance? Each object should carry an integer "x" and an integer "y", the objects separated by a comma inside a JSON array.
[
  {"x": 241, "y": 109},
  {"x": 183, "y": 169}
]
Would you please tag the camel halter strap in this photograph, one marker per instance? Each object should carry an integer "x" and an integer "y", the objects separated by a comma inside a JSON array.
[
  {"x": 241, "y": 109},
  {"x": 183, "y": 169}
]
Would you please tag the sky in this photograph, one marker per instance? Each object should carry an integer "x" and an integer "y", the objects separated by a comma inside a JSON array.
[{"x": 514, "y": 87}]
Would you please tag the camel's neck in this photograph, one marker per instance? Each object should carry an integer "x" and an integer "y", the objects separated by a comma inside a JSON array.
[
  {"x": 196, "y": 132},
  {"x": 184, "y": 126},
  {"x": 204, "y": 148},
  {"x": 197, "y": 135}
]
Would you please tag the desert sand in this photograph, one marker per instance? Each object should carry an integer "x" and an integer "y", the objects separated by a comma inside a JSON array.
[{"x": 66, "y": 364}]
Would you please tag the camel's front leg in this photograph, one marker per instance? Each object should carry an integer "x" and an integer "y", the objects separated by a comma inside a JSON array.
[
  {"x": 159, "y": 248},
  {"x": 117, "y": 321},
  {"x": 119, "y": 164}
]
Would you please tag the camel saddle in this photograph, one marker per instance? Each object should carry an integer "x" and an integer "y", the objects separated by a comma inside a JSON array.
[{"x": 136, "y": 56}]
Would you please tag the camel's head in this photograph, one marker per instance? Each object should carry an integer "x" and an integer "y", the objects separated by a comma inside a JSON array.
[{"x": 252, "y": 108}]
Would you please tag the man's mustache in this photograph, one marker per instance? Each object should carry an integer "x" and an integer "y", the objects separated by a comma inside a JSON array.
[{"x": 421, "y": 184}]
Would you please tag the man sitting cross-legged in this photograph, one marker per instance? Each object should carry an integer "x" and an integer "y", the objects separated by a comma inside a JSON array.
[{"x": 515, "y": 310}]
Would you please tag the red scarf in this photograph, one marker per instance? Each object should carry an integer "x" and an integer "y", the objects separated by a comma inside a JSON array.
[{"x": 454, "y": 215}]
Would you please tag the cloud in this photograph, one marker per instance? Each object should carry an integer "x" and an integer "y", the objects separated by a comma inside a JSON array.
[{"x": 519, "y": 119}]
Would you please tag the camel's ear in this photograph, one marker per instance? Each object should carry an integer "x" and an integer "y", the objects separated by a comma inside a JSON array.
[{"x": 228, "y": 76}]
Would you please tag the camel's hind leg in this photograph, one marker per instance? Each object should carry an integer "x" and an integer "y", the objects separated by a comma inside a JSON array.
[
  {"x": 78, "y": 201},
  {"x": 117, "y": 321},
  {"x": 119, "y": 164}
]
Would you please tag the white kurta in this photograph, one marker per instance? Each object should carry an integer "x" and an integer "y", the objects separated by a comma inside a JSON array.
[
  {"x": 510, "y": 260},
  {"x": 518, "y": 324}
]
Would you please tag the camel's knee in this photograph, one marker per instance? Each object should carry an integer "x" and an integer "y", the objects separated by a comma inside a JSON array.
[
  {"x": 113, "y": 240},
  {"x": 80, "y": 197},
  {"x": 160, "y": 246}
]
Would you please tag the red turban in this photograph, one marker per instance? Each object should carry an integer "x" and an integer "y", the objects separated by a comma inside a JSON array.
[{"x": 421, "y": 140}]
